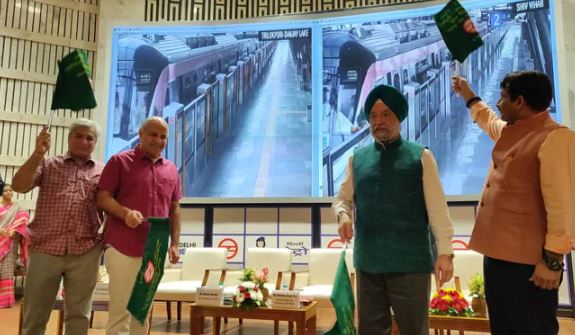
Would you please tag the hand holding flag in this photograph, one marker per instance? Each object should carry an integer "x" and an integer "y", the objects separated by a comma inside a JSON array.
[
  {"x": 43, "y": 142},
  {"x": 152, "y": 268}
]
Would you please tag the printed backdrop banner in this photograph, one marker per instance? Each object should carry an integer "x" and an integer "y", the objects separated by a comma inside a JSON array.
[{"x": 152, "y": 268}]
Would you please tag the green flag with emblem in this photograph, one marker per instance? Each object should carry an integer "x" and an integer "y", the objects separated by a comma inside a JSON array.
[
  {"x": 458, "y": 31},
  {"x": 73, "y": 88},
  {"x": 152, "y": 268},
  {"x": 343, "y": 302}
]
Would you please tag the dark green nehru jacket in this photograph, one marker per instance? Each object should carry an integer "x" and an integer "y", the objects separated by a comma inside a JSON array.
[{"x": 392, "y": 232}]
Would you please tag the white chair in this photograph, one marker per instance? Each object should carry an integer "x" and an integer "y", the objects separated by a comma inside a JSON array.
[
  {"x": 322, "y": 268},
  {"x": 180, "y": 285}
]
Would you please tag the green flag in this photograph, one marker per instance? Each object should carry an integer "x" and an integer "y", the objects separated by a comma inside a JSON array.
[
  {"x": 73, "y": 89},
  {"x": 152, "y": 268},
  {"x": 342, "y": 300},
  {"x": 458, "y": 31}
]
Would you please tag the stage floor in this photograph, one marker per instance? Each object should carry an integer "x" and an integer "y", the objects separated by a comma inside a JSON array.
[{"x": 161, "y": 326}]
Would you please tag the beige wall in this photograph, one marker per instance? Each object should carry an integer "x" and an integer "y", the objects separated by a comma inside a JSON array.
[{"x": 33, "y": 36}]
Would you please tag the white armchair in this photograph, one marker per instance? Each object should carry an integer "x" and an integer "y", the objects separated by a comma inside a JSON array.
[
  {"x": 323, "y": 264},
  {"x": 180, "y": 285}
]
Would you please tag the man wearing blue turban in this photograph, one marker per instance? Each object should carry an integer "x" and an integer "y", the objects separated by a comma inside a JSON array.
[{"x": 393, "y": 188}]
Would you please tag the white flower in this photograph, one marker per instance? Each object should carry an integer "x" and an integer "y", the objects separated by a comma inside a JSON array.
[
  {"x": 251, "y": 289},
  {"x": 248, "y": 284}
]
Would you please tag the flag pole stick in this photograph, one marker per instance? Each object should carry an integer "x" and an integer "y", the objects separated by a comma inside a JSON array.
[{"x": 50, "y": 119}]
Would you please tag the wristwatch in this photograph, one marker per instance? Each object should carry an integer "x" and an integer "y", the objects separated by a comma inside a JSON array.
[
  {"x": 552, "y": 264},
  {"x": 472, "y": 100}
]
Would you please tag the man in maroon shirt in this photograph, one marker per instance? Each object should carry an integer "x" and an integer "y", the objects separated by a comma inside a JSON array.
[
  {"x": 136, "y": 184},
  {"x": 65, "y": 243}
]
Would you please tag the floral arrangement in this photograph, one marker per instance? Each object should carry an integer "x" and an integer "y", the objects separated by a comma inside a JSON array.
[
  {"x": 260, "y": 277},
  {"x": 477, "y": 292},
  {"x": 248, "y": 275},
  {"x": 252, "y": 293},
  {"x": 476, "y": 286},
  {"x": 248, "y": 295},
  {"x": 449, "y": 302}
]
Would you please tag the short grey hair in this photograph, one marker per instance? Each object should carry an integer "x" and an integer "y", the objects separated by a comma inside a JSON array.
[
  {"x": 84, "y": 123},
  {"x": 153, "y": 118}
]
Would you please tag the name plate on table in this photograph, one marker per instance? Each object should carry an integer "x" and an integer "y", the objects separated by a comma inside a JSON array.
[
  {"x": 286, "y": 299},
  {"x": 101, "y": 292},
  {"x": 210, "y": 296}
]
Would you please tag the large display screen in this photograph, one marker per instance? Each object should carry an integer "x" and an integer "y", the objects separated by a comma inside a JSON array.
[{"x": 275, "y": 109}]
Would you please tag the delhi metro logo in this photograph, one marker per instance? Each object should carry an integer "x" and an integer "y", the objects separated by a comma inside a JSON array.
[
  {"x": 337, "y": 243},
  {"x": 231, "y": 245},
  {"x": 149, "y": 273},
  {"x": 469, "y": 27}
]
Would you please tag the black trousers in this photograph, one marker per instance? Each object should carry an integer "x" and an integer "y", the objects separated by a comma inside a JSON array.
[
  {"x": 407, "y": 294},
  {"x": 515, "y": 305}
]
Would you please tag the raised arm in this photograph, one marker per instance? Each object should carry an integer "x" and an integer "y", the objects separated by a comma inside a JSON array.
[
  {"x": 481, "y": 114},
  {"x": 27, "y": 176}
]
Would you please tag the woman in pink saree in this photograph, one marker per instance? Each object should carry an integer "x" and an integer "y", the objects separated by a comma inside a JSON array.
[{"x": 14, "y": 237}]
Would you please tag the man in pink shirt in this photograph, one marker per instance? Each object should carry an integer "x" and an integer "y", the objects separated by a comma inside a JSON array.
[
  {"x": 135, "y": 185},
  {"x": 65, "y": 243},
  {"x": 525, "y": 222}
]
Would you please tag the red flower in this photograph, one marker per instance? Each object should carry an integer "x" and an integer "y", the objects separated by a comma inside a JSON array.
[
  {"x": 247, "y": 295},
  {"x": 449, "y": 302},
  {"x": 241, "y": 288},
  {"x": 443, "y": 306}
]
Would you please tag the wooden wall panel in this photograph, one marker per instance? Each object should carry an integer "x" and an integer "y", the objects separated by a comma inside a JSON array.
[{"x": 34, "y": 35}]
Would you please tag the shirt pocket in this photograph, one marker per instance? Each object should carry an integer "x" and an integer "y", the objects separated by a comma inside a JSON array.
[
  {"x": 88, "y": 187},
  {"x": 166, "y": 187}
]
